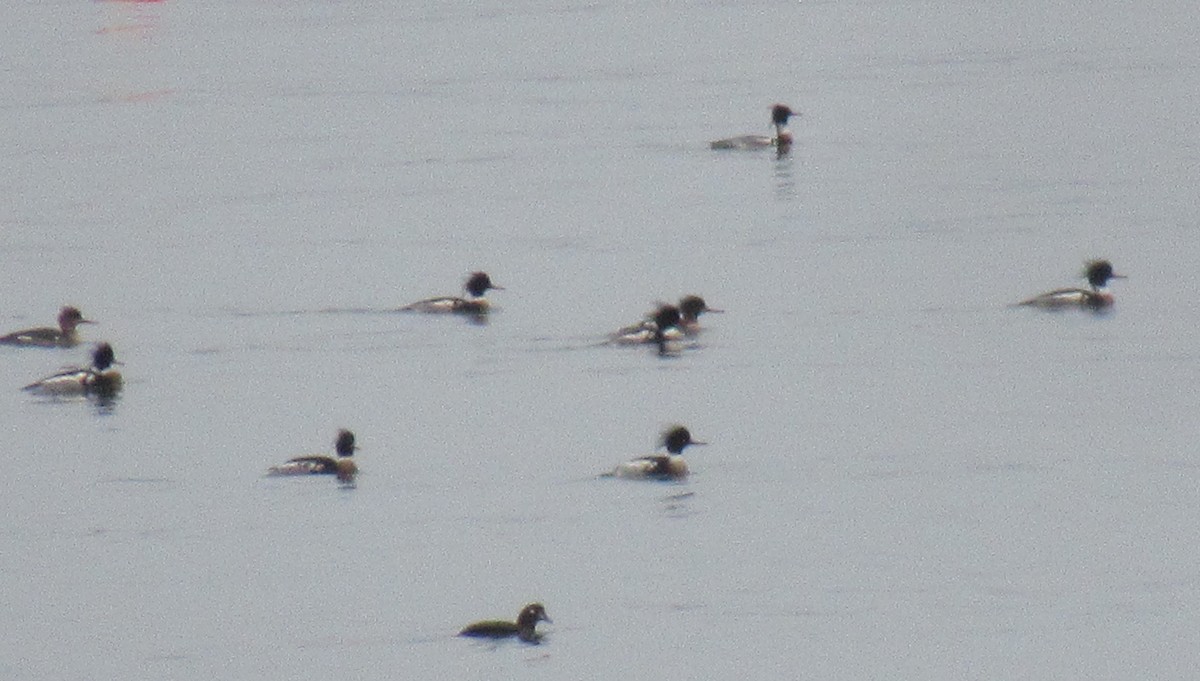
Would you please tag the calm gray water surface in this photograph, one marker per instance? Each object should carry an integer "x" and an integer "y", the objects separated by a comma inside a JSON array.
[{"x": 906, "y": 477}]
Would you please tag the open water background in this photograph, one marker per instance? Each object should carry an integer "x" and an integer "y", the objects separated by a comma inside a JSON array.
[{"x": 906, "y": 478}]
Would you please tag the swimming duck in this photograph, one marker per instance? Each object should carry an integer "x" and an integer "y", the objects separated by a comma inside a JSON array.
[
  {"x": 1098, "y": 273},
  {"x": 477, "y": 284},
  {"x": 523, "y": 628},
  {"x": 782, "y": 139},
  {"x": 343, "y": 466},
  {"x": 98, "y": 379},
  {"x": 46, "y": 337},
  {"x": 669, "y": 466},
  {"x": 690, "y": 308}
]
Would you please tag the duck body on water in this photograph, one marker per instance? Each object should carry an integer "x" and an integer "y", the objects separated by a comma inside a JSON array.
[
  {"x": 669, "y": 466},
  {"x": 1098, "y": 297},
  {"x": 64, "y": 336},
  {"x": 343, "y": 465},
  {"x": 98, "y": 379},
  {"x": 690, "y": 308},
  {"x": 473, "y": 303},
  {"x": 525, "y": 628},
  {"x": 781, "y": 140}
]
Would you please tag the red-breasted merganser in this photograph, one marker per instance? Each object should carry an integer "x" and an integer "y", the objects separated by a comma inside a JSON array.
[
  {"x": 477, "y": 284},
  {"x": 781, "y": 140},
  {"x": 46, "y": 337},
  {"x": 669, "y": 466},
  {"x": 1098, "y": 273},
  {"x": 523, "y": 628},
  {"x": 98, "y": 379},
  {"x": 690, "y": 308},
  {"x": 343, "y": 466}
]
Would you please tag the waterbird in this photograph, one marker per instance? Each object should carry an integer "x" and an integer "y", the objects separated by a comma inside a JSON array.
[
  {"x": 523, "y": 628},
  {"x": 99, "y": 378},
  {"x": 48, "y": 337},
  {"x": 669, "y": 466},
  {"x": 1098, "y": 297},
  {"x": 782, "y": 139},
  {"x": 474, "y": 304},
  {"x": 690, "y": 308},
  {"x": 342, "y": 466}
]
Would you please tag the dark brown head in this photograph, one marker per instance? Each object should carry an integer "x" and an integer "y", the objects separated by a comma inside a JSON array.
[
  {"x": 1099, "y": 272},
  {"x": 70, "y": 317},
  {"x": 780, "y": 114},
  {"x": 691, "y": 307},
  {"x": 103, "y": 357},
  {"x": 344, "y": 445},
  {"x": 676, "y": 438},
  {"x": 530, "y": 616},
  {"x": 479, "y": 283}
]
